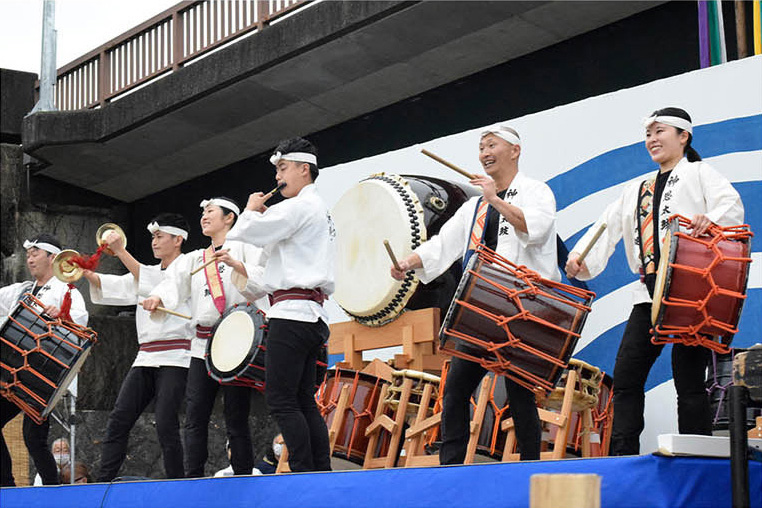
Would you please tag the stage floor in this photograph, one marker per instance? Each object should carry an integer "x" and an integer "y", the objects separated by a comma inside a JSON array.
[{"x": 627, "y": 482}]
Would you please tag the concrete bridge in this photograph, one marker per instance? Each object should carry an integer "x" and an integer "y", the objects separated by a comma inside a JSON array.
[{"x": 322, "y": 66}]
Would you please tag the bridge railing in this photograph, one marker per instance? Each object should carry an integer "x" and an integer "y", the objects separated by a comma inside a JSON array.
[{"x": 164, "y": 43}]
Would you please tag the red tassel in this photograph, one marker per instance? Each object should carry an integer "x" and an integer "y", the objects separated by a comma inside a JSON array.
[
  {"x": 65, "y": 312},
  {"x": 89, "y": 263}
]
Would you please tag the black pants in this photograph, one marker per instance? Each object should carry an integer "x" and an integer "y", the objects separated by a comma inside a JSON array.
[
  {"x": 634, "y": 360},
  {"x": 292, "y": 349},
  {"x": 462, "y": 379},
  {"x": 200, "y": 394},
  {"x": 36, "y": 440},
  {"x": 140, "y": 386}
]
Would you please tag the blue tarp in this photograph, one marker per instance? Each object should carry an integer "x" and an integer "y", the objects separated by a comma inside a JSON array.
[{"x": 627, "y": 482}]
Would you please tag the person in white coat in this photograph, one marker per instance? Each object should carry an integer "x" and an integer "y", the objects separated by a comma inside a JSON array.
[
  {"x": 234, "y": 278},
  {"x": 518, "y": 215},
  {"x": 40, "y": 252},
  {"x": 299, "y": 235},
  {"x": 685, "y": 185},
  {"x": 160, "y": 368}
]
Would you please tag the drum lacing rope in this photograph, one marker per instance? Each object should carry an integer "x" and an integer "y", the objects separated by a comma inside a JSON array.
[
  {"x": 504, "y": 365},
  {"x": 8, "y": 388},
  {"x": 692, "y": 335}
]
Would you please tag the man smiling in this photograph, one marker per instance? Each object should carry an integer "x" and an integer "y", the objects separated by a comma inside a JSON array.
[{"x": 516, "y": 217}]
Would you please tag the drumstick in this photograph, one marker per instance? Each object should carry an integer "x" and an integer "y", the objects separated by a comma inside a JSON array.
[
  {"x": 162, "y": 309},
  {"x": 194, "y": 272},
  {"x": 594, "y": 239},
  {"x": 450, "y": 165},
  {"x": 392, "y": 256}
]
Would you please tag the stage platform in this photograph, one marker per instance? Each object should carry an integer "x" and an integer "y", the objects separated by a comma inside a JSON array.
[{"x": 627, "y": 482}]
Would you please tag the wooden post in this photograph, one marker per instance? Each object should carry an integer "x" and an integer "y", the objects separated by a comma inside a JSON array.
[
  {"x": 178, "y": 36},
  {"x": 565, "y": 491},
  {"x": 743, "y": 51},
  {"x": 104, "y": 77}
]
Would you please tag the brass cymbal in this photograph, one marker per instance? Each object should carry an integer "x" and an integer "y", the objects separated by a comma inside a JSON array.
[
  {"x": 103, "y": 232},
  {"x": 64, "y": 269}
]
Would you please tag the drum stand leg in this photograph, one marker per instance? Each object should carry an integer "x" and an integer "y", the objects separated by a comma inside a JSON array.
[
  {"x": 392, "y": 426},
  {"x": 478, "y": 419},
  {"x": 340, "y": 415},
  {"x": 560, "y": 420},
  {"x": 415, "y": 453}
]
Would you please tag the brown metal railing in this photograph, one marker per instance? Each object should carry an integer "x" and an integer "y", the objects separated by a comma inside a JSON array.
[{"x": 161, "y": 45}]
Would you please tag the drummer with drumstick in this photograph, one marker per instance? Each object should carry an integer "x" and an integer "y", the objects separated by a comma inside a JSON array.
[
  {"x": 299, "y": 235},
  {"x": 215, "y": 279},
  {"x": 40, "y": 252},
  {"x": 515, "y": 216},
  {"x": 160, "y": 368},
  {"x": 683, "y": 185}
]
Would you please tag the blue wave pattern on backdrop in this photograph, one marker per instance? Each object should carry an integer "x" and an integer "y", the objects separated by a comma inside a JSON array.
[{"x": 627, "y": 162}]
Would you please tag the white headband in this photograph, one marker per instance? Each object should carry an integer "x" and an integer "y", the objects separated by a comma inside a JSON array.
[
  {"x": 293, "y": 156},
  {"x": 41, "y": 245},
  {"x": 674, "y": 121},
  {"x": 223, "y": 203},
  {"x": 503, "y": 132},
  {"x": 170, "y": 230}
]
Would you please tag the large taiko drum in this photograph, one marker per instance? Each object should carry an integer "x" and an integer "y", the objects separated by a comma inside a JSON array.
[
  {"x": 40, "y": 357},
  {"x": 364, "y": 397},
  {"x": 406, "y": 211},
  {"x": 701, "y": 285},
  {"x": 235, "y": 353},
  {"x": 513, "y": 322}
]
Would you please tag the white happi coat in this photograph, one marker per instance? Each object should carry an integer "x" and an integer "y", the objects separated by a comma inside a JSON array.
[
  {"x": 51, "y": 293},
  {"x": 125, "y": 290},
  {"x": 535, "y": 249},
  {"x": 298, "y": 236},
  {"x": 692, "y": 188},
  {"x": 178, "y": 286}
]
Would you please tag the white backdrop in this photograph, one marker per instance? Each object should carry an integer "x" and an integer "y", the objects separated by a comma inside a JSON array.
[{"x": 587, "y": 151}]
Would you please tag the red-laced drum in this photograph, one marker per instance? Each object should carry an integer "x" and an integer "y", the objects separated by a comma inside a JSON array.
[
  {"x": 364, "y": 397},
  {"x": 701, "y": 285},
  {"x": 39, "y": 357},
  {"x": 405, "y": 210},
  {"x": 235, "y": 354},
  {"x": 513, "y": 322}
]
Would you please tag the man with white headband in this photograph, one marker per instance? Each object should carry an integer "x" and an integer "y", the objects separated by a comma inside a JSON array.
[
  {"x": 40, "y": 252},
  {"x": 683, "y": 185},
  {"x": 161, "y": 365},
  {"x": 299, "y": 235},
  {"x": 516, "y": 217},
  {"x": 217, "y": 278}
]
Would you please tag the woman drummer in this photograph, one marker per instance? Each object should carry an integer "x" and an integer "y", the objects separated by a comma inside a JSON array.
[
  {"x": 213, "y": 289},
  {"x": 683, "y": 185}
]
